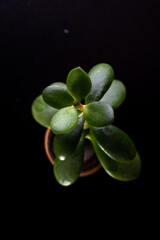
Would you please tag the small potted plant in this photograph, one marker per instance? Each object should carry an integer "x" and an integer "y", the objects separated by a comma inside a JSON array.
[{"x": 81, "y": 109}]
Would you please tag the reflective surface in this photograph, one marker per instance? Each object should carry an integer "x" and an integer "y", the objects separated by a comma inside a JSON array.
[
  {"x": 65, "y": 144},
  {"x": 115, "y": 95},
  {"x": 57, "y": 96},
  {"x": 101, "y": 76},
  {"x": 42, "y": 112},
  {"x": 98, "y": 114},
  {"x": 64, "y": 120},
  {"x": 66, "y": 172},
  {"x": 78, "y": 83},
  {"x": 116, "y": 143},
  {"x": 121, "y": 171}
]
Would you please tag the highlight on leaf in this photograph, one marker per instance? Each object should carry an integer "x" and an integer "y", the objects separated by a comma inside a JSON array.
[
  {"x": 115, "y": 143},
  {"x": 101, "y": 76},
  {"x": 42, "y": 112},
  {"x": 115, "y": 95},
  {"x": 122, "y": 171},
  {"x": 56, "y": 95},
  {"x": 67, "y": 171},
  {"x": 64, "y": 120},
  {"x": 65, "y": 144},
  {"x": 98, "y": 114},
  {"x": 78, "y": 83}
]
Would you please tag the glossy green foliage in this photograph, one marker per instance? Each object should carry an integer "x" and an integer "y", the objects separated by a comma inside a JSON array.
[
  {"x": 101, "y": 76},
  {"x": 67, "y": 171},
  {"x": 78, "y": 83},
  {"x": 42, "y": 112},
  {"x": 115, "y": 143},
  {"x": 57, "y": 96},
  {"x": 60, "y": 108},
  {"x": 64, "y": 120},
  {"x": 115, "y": 95},
  {"x": 98, "y": 114},
  {"x": 65, "y": 144},
  {"x": 123, "y": 171}
]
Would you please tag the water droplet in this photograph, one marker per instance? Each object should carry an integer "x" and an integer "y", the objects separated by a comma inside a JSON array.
[
  {"x": 62, "y": 158},
  {"x": 66, "y": 183}
]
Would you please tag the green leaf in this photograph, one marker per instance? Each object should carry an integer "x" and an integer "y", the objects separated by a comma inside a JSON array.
[
  {"x": 57, "y": 96},
  {"x": 115, "y": 143},
  {"x": 64, "y": 120},
  {"x": 42, "y": 112},
  {"x": 65, "y": 144},
  {"x": 115, "y": 94},
  {"x": 101, "y": 76},
  {"x": 121, "y": 171},
  {"x": 98, "y": 114},
  {"x": 78, "y": 83},
  {"x": 66, "y": 172}
]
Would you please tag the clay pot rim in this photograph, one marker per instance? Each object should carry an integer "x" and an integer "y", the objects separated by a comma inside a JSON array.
[{"x": 82, "y": 174}]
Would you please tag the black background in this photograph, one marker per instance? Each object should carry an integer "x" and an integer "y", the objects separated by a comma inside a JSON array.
[{"x": 36, "y": 51}]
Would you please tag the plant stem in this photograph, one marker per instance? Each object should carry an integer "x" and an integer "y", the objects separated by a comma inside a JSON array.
[
  {"x": 76, "y": 103},
  {"x": 88, "y": 136},
  {"x": 86, "y": 133},
  {"x": 85, "y": 125}
]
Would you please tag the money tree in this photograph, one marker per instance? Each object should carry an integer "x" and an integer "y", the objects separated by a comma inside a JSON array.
[{"x": 84, "y": 108}]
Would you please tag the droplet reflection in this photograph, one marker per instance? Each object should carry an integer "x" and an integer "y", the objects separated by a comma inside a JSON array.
[
  {"x": 66, "y": 183},
  {"x": 62, "y": 158}
]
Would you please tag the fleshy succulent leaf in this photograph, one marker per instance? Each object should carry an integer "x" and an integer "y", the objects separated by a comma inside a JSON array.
[
  {"x": 98, "y": 114},
  {"x": 115, "y": 95},
  {"x": 78, "y": 83},
  {"x": 56, "y": 95},
  {"x": 115, "y": 143},
  {"x": 42, "y": 112},
  {"x": 65, "y": 144},
  {"x": 67, "y": 171},
  {"x": 64, "y": 120},
  {"x": 123, "y": 171},
  {"x": 101, "y": 76}
]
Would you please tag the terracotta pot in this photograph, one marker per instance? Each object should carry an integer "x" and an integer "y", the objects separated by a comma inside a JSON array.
[{"x": 90, "y": 164}]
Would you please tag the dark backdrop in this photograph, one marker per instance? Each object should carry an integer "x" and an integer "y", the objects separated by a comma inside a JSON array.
[{"x": 40, "y": 42}]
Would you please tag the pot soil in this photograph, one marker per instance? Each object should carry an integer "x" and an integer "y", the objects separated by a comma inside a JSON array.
[{"x": 90, "y": 164}]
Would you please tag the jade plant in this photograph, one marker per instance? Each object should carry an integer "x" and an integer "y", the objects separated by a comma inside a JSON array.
[{"x": 84, "y": 108}]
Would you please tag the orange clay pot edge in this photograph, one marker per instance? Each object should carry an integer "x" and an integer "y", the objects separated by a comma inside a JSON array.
[{"x": 46, "y": 137}]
